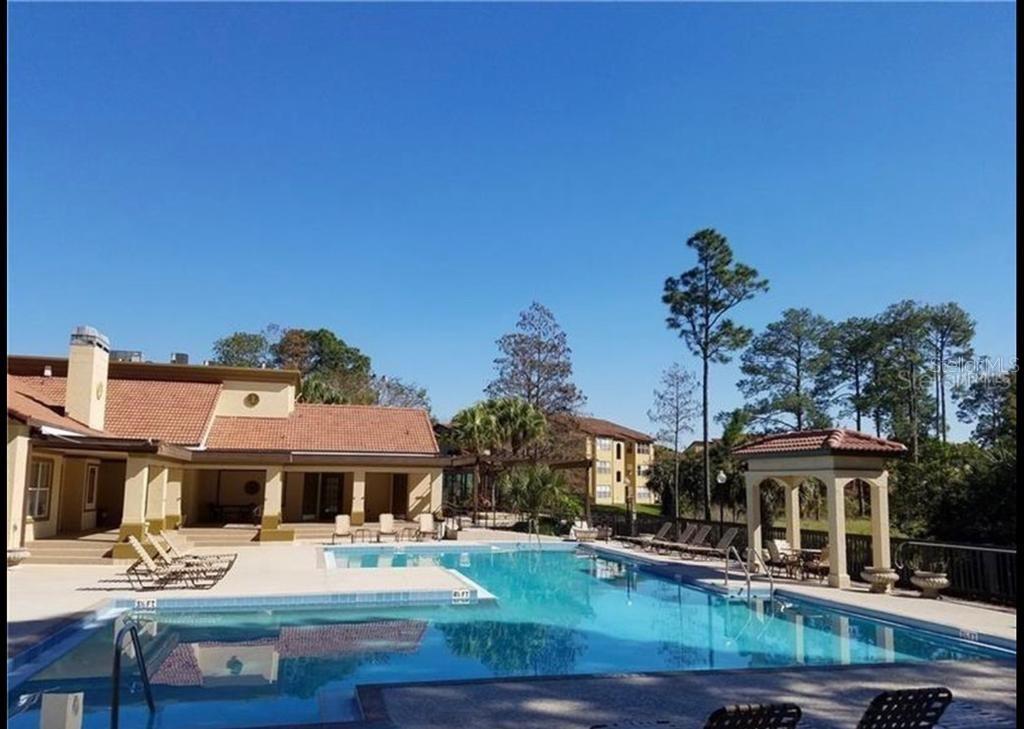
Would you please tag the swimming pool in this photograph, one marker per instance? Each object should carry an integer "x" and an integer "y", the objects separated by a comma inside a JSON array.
[{"x": 557, "y": 612}]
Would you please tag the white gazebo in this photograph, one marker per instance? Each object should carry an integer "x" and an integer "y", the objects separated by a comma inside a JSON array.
[{"x": 836, "y": 457}]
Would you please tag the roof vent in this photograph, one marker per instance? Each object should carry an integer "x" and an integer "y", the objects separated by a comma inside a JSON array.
[
  {"x": 47, "y": 371},
  {"x": 90, "y": 335},
  {"x": 126, "y": 355},
  {"x": 179, "y": 358}
]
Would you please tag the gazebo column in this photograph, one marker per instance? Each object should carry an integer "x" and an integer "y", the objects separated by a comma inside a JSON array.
[
  {"x": 836, "y": 498},
  {"x": 880, "y": 556},
  {"x": 754, "y": 538},
  {"x": 792, "y": 498}
]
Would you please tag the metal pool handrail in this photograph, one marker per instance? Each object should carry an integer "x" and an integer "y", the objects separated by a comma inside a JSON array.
[
  {"x": 771, "y": 580},
  {"x": 743, "y": 564},
  {"x": 115, "y": 699}
]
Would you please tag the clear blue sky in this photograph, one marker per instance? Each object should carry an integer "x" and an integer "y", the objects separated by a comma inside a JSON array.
[{"x": 413, "y": 176}]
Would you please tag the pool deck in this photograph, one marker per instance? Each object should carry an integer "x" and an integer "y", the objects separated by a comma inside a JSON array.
[{"x": 44, "y": 598}]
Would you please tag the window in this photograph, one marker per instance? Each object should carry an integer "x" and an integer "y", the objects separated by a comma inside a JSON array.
[
  {"x": 643, "y": 448},
  {"x": 604, "y": 466},
  {"x": 604, "y": 492},
  {"x": 604, "y": 444},
  {"x": 618, "y": 477},
  {"x": 643, "y": 494},
  {"x": 643, "y": 470},
  {"x": 92, "y": 480},
  {"x": 618, "y": 450},
  {"x": 40, "y": 482}
]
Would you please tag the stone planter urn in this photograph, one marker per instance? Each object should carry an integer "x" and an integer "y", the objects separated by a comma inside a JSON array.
[
  {"x": 880, "y": 579},
  {"x": 16, "y": 556},
  {"x": 930, "y": 583}
]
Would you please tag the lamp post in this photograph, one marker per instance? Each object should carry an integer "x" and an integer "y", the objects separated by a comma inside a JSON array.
[{"x": 721, "y": 478}]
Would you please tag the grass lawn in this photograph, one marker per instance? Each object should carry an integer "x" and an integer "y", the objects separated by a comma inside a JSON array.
[{"x": 650, "y": 509}]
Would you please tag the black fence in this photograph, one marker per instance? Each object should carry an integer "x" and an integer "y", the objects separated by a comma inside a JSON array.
[{"x": 988, "y": 574}]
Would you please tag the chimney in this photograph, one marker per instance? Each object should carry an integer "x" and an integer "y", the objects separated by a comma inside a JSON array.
[{"x": 86, "y": 398}]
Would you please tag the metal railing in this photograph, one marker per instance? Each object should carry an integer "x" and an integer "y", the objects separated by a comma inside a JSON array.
[
  {"x": 743, "y": 564},
  {"x": 115, "y": 700},
  {"x": 771, "y": 578}
]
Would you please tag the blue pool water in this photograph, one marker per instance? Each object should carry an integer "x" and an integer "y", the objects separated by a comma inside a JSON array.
[{"x": 557, "y": 612}]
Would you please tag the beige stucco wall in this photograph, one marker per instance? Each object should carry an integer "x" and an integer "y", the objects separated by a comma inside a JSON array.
[
  {"x": 18, "y": 448},
  {"x": 378, "y": 495},
  {"x": 276, "y": 399}
]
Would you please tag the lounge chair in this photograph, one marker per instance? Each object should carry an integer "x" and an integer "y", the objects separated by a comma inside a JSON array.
[
  {"x": 781, "y": 556},
  {"x": 746, "y": 716},
  {"x": 816, "y": 566},
  {"x": 342, "y": 528},
  {"x": 178, "y": 551},
  {"x": 699, "y": 539},
  {"x": 160, "y": 576},
  {"x": 662, "y": 545},
  {"x": 721, "y": 549},
  {"x": 425, "y": 527},
  {"x": 755, "y": 716},
  {"x": 387, "y": 528},
  {"x": 918, "y": 708},
  {"x": 646, "y": 539},
  {"x": 208, "y": 569}
]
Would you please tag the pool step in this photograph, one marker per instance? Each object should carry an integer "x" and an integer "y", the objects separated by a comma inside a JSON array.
[{"x": 216, "y": 537}]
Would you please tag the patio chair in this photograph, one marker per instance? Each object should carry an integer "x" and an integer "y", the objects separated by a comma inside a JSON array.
[
  {"x": 387, "y": 527},
  {"x": 581, "y": 532},
  {"x": 661, "y": 545},
  {"x": 816, "y": 566},
  {"x": 721, "y": 548},
  {"x": 699, "y": 539},
  {"x": 781, "y": 557},
  {"x": 646, "y": 539},
  {"x": 912, "y": 708},
  {"x": 755, "y": 716},
  {"x": 426, "y": 527},
  {"x": 342, "y": 528},
  {"x": 178, "y": 551},
  {"x": 159, "y": 576}
]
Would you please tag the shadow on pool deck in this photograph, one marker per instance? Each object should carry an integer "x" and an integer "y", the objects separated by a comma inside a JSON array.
[{"x": 831, "y": 697}]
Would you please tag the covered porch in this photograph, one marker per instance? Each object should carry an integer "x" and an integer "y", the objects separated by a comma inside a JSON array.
[{"x": 835, "y": 458}]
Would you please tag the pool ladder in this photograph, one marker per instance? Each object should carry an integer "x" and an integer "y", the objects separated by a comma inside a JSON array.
[
  {"x": 115, "y": 700},
  {"x": 746, "y": 571}
]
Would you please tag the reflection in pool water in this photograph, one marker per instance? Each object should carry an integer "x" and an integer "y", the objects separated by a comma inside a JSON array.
[{"x": 557, "y": 612}]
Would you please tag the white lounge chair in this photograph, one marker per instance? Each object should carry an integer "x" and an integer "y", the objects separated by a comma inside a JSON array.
[
  {"x": 426, "y": 527},
  {"x": 161, "y": 575},
  {"x": 581, "y": 531},
  {"x": 387, "y": 528},
  {"x": 342, "y": 528}
]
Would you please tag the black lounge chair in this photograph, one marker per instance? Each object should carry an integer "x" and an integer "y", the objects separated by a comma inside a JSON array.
[
  {"x": 906, "y": 709},
  {"x": 699, "y": 539},
  {"x": 721, "y": 549},
  {"x": 746, "y": 716},
  {"x": 645, "y": 540}
]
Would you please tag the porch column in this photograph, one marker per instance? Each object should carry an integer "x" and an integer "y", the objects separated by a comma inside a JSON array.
[
  {"x": 172, "y": 501},
  {"x": 436, "y": 484},
  {"x": 880, "y": 522},
  {"x": 358, "y": 498},
  {"x": 753, "y": 483},
  {"x": 133, "y": 516},
  {"x": 273, "y": 498},
  {"x": 17, "y": 482},
  {"x": 836, "y": 501},
  {"x": 156, "y": 497},
  {"x": 792, "y": 499}
]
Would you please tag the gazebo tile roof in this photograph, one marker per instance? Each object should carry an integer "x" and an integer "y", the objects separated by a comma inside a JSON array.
[{"x": 831, "y": 440}]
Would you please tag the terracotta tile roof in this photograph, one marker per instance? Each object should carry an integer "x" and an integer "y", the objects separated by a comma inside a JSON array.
[
  {"x": 833, "y": 440},
  {"x": 25, "y": 405},
  {"x": 329, "y": 428},
  {"x": 174, "y": 412},
  {"x": 608, "y": 429}
]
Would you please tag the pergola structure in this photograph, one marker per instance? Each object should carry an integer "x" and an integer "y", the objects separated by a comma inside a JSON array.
[{"x": 836, "y": 457}]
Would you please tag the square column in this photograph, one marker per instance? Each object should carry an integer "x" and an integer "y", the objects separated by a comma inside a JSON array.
[
  {"x": 792, "y": 499},
  {"x": 273, "y": 498},
  {"x": 880, "y": 522},
  {"x": 172, "y": 500},
  {"x": 133, "y": 516},
  {"x": 836, "y": 502},
  {"x": 754, "y": 538},
  {"x": 17, "y": 482},
  {"x": 358, "y": 498},
  {"x": 436, "y": 481},
  {"x": 156, "y": 497}
]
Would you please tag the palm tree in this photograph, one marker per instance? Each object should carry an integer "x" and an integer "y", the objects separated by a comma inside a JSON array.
[
  {"x": 475, "y": 432},
  {"x": 535, "y": 489},
  {"x": 519, "y": 424}
]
